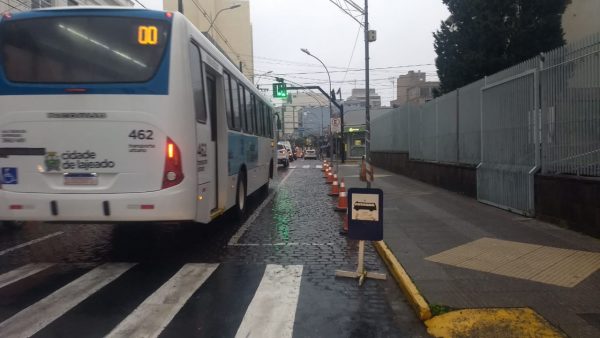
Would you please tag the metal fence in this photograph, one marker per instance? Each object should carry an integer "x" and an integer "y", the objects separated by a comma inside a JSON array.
[
  {"x": 428, "y": 132},
  {"x": 447, "y": 128},
  {"x": 469, "y": 123},
  {"x": 570, "y": 102},
  {"x": 543, "y": 114},
  {"x": 505, "y": 176},
  {"x": 414, "y": 126}
]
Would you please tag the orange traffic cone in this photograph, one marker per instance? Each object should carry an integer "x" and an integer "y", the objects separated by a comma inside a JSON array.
[
  {"x": 325, "y": 172},
  {"x": 342, "y": 186},
  {"x": 330, "y": 177},
  {"x": 335, "y": 191},
  {"x": 342, "y": 202},
  {"x": 344, "y": 230}
]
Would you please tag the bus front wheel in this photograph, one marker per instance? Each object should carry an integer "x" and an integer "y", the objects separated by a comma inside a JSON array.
[{"x": 240, "y": 196}]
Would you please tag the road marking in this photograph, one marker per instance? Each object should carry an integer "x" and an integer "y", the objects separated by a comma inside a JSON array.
[
  {"x": 305, "y": 166},
  {"x": 155, "y": 313},
  {"x": 4, "y": 252},
  {"x": 37, "y": 316},
  {"x": 283, "y": 244},
  {"x": 236, "y": 237},
  {"x": 22, "y": 273},
  {"x": 318, "y": 166},
  {"x": 292, "y": 167},
  {"x": 273, "y": 308}
]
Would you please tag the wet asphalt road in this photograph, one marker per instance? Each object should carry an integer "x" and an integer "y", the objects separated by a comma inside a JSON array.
[{"x": 271, "y": 274}]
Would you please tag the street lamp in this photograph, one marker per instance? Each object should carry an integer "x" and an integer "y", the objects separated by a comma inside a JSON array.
[
  {"x": 304, "y": 50},
  {"x": 217, "y": 15},
  {"x": 261, "y": 75}
]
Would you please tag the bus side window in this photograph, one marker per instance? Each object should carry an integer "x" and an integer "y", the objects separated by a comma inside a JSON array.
[
  {"x": 270, "y": 123},
  {"x": 242, "y": 107},
  {"x": 248, "y": 104},
  {"x": 253, "y": 110},
  {"x": 227, "y": 88},
  {"x": 235, "y": 104},
  {"x": 256, "y": 114},
  {"x": 197, "y": 83},
  {"x": 262, "y": 118}
]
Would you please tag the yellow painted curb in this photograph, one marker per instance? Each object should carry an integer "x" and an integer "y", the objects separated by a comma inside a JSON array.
[
  {"x": 505, "y": 323},
  {"x": 408, "y": 287}
]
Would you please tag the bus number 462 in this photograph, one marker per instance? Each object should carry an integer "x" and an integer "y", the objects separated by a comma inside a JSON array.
[{"x": 141, "y": 134}]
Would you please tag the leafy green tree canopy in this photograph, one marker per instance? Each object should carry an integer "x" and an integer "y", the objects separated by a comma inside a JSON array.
[{"x": 482, "y": 37}]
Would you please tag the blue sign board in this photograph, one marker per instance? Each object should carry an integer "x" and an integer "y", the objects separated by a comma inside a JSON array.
[
  {"x": 9, "y": 176},
  {"x": 365, "y": 214}
]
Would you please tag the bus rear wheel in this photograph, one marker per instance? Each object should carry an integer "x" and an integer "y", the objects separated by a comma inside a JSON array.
[{"x": 240, "y": 196}]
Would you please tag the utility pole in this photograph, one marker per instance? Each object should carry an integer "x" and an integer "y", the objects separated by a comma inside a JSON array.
[
  {"x": 367, "y": 96},
  {"x": 180, "y": 6},
  {"x": 343, "y": 143}
]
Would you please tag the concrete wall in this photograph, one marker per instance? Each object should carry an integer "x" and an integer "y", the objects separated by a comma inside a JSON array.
[
  {"x": 569, "y": 201},
  {"x": 572, "y": 202},
  {"x": 458, "y": 178}
]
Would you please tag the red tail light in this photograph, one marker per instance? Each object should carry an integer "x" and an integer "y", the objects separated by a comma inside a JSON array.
[{"x": 173, "y": 173}]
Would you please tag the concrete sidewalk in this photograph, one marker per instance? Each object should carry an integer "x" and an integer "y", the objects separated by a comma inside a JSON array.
[{"x": 464, "y": 254}]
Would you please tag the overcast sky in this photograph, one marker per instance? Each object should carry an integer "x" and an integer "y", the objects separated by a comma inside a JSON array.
[{"x": 404, "y": 38}]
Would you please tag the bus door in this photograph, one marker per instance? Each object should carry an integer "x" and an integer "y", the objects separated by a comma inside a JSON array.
[{"x": 211, "y": 98}]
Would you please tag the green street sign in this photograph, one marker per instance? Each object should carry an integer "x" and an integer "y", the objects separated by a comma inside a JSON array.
[{"x": 280, "y": 90}]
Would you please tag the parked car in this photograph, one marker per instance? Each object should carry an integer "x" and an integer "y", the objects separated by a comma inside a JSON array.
[
  {"x": 310, "y": 153},
  {"x": 288, "y": 147},
  {"x": 282, "y": 155}
]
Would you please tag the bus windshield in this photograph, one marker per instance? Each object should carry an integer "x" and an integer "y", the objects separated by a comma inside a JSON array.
[{"x": 76, "y": 49}]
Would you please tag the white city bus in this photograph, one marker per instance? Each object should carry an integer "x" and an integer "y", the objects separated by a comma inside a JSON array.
[{"x": 124, "y": 115}]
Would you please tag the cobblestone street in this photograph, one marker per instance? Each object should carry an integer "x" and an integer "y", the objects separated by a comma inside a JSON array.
[{"x": 293, "y": 225}]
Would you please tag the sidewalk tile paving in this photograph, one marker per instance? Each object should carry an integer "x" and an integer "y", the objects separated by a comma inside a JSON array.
[{"x": 504, "y": 259}]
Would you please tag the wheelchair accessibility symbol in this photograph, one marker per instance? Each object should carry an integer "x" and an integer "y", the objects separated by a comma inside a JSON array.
[{"x": 9, "y": 176}]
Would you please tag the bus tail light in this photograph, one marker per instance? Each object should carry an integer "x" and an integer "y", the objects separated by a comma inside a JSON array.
[{"x": 173, "y": 173}]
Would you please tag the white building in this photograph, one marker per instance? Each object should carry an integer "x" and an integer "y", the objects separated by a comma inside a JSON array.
[
  {"x": 231, "y": 31},
  {"x": 359, "y": 97},
  {"x": 581, "y": 19}
]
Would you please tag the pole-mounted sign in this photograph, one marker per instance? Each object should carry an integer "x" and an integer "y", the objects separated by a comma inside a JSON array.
[{"x": 365, "y": 223}]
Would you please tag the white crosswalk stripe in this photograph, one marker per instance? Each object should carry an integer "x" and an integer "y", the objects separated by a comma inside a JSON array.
[
  {"x": 273, "y": 308},
  {"x": 155, "y": 313},
  {"x": 271, "y": 313},
  {"x": 306, "y": 166},
  {"x": 37, "y": 316},
  {"x": 22, "y": 272}
]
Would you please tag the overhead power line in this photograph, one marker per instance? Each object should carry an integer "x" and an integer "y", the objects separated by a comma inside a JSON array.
[
  {"x": 139, "y": 3},
  {"x": 361, "y": 69}
]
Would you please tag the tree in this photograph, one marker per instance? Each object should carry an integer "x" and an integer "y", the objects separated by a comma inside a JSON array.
[{"x": 482, "y": 37}]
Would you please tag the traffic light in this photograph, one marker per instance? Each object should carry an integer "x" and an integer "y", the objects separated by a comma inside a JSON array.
[{"x": 280, "y": 90}]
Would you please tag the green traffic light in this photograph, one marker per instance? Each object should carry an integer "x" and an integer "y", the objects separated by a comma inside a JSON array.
[{"x": 279, "y": 90}]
